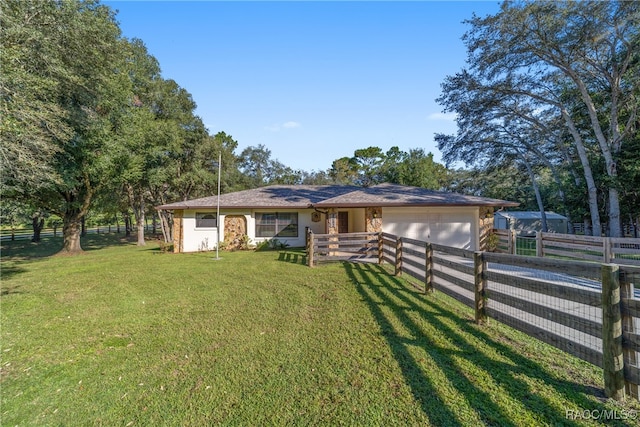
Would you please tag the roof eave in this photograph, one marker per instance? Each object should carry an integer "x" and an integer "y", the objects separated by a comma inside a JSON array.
[
  {"x": 187, "y": 207},
  {"x": 397, "y": 205}
]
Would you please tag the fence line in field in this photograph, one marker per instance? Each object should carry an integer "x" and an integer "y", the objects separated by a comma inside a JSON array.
[{"x": 583, "y": 308}]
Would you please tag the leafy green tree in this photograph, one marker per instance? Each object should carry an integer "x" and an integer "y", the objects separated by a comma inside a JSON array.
[
  {"x": 316, "y": 178},
  {"x": 80, "y": 76},
  {"x": 414, "y": 168},
  {"x": 254, "y": 164},
  {"x": 368, "y": 163},
  {"x": 343, "y": 171},
  {"x": 260, "y": 169},
  {"x": 541, "y": 49},
  {"x": 33, "y": 121}
]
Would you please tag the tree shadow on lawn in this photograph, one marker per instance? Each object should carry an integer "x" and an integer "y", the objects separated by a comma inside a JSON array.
[
  {"x": 8, "y": 271},
  {"x": 4, "y": 291},
  {"x": 26, "y": 250},
  {"x": 381, "y": 292}
]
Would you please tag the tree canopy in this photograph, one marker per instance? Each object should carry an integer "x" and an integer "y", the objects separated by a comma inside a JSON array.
[{"x": 556, "y": 82}]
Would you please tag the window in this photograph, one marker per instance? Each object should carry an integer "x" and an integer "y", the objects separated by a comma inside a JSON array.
[
  {"x": 206, "y": 220},
  {"x": 277, "y": 224}
]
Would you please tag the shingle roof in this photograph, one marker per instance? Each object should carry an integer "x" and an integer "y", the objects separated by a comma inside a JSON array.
[
  {"x": 326, "y": 196},
  {"x": 401, "y": 195},
  {"x": 274, "y": 196}
]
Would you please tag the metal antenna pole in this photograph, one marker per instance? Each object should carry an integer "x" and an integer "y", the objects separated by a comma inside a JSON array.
[{"x": 218, "y": 210}]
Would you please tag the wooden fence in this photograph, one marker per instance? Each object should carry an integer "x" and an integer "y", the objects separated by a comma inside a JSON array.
[
  {"x": 341, "y": 247},
  {"x": 584, "y": 308},
  {"x": 619, "y": 250}
]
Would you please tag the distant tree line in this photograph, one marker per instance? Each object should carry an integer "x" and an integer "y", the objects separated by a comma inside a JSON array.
[{"x": 547, "y": 115}]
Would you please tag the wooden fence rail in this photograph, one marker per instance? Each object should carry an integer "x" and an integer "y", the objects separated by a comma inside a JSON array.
[
  {"x": 619, "y": 250},
  {"x": 341, "y": 247},
  {"x": 583, "y": 308}
]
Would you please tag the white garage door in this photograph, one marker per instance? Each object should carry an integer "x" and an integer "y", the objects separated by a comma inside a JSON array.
[{"x": 446, "y": 227}]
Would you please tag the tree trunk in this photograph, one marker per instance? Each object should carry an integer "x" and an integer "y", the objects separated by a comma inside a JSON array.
[
  {"x": 592, "y": 190},
  {"x": 615, "y": 220},
  {"x": 71, "y": 228},
  {"x": 136, "y": 203},
  {"x": 536, "y": 190},
  {"x": 38, "y": 224},
  {"x": 165, "y": 225},
  {"x": 140, "y": 219},
  {"x": 83, "y": 231},
  {"x": 127, "y": 223}
]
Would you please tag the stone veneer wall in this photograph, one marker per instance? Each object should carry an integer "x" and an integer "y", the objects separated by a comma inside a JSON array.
[
  {"x": 235, "y": 226},
  {"x": 485, "y": 226},
  {"x": 373, "y": 220},
  {"x": 332, "y": 221},
  {"x": 177, "y": 231},
  {"x": 332, "y": 228}
]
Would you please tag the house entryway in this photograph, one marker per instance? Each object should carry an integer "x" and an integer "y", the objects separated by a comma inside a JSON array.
[{"x": 343, "y": 222}]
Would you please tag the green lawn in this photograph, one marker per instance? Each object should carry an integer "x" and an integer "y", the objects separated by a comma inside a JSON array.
[{"x": 122, "y": 335}]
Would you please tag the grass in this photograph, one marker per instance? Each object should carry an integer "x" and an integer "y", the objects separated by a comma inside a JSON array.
[{"x": 123, "y": 335}]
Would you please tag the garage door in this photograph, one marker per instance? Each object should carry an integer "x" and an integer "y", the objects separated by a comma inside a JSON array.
[{"x": 445, "y": 227}]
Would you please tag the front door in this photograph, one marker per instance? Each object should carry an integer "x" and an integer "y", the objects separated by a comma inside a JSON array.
[{"x": 343, "y": 222}]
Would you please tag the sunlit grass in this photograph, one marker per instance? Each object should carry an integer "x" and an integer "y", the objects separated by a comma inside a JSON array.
[{"x": 123, "y": 334}]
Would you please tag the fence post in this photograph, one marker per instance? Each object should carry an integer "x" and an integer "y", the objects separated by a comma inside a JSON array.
[
  {"x": 398, "y": 270},
  {"x": 479, "y": 267},
  {"x": 612, "y": 359},
  {"x": 380, "y": 248},
  {"x": 539, "y": 247},
  {"x": 606, "y": 250},
  {"x": 629, "y": 355},
  {"x": 428, "y": 268},
  {"x": 511, "y": 242},
  {"x": 310, "y": 249}
]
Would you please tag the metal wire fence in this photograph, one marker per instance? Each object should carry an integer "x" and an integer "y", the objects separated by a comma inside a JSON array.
[{"x": 560, "y": 302}]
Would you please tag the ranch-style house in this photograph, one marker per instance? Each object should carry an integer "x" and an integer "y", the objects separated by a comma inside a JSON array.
[{"x": 285, "y": 212}]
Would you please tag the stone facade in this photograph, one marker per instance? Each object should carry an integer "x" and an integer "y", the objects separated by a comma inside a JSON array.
[
  {"x": 332, "y": 228},
  {"x": 177, "y": 231},
  {"x": 332, "y": 221},
  {"x": 485, "y": 227},
  {"x": 373, "y": 220},
  {"x": 235, "y": 226}
]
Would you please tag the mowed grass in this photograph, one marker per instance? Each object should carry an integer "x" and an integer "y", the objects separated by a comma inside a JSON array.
[{"x": 123, "y": 335}]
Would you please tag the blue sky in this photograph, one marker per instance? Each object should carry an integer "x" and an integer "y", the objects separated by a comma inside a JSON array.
[{"x": 312, "y": 81}]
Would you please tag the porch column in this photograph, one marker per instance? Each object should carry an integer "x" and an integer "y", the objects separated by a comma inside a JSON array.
[
  {"x": 332, "y": 221},
  {"x": 373, "y": 224},
  {"x": 373, "y": 220},
  {"x": 332, "y": 228},
  {"x": 177, "y": 231},
  {"x": 485, "y": 227}
]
